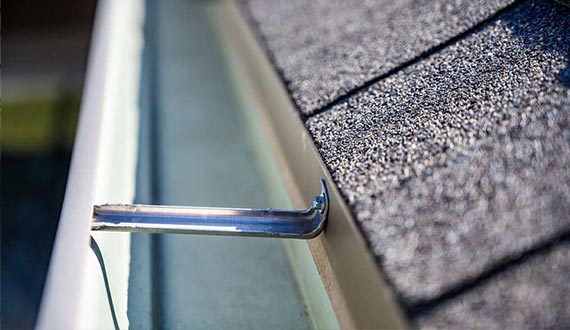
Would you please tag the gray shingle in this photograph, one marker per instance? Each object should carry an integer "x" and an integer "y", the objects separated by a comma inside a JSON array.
[
  {"x": 326, "y": 48},
  {"x": 533, "y": 295},
  {"x": 460, "y": 161}
]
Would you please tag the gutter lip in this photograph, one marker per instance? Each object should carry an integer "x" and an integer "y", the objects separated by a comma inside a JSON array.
[
  {"x": 65, "y": 301},
  {"x": 58, "y": 307}
]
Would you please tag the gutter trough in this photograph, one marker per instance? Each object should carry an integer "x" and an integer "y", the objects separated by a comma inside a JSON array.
[{"x": 103, "y": 173}]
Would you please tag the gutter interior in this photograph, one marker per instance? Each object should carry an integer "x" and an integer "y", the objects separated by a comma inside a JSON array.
[{"x": 195, "y": 150}]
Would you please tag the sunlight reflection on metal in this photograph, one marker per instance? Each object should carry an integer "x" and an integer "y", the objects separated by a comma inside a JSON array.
[{"x": 303, "y": 224}]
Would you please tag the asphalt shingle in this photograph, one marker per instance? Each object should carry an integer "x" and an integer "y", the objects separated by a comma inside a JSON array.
[
  {"x": 532, "y": 295},
  {"x": 460, "y": 162},
  {"x": 326, "y": 48}
]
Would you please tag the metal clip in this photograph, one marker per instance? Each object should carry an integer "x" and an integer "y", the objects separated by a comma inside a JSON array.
[{"x": 303, "y": 224}]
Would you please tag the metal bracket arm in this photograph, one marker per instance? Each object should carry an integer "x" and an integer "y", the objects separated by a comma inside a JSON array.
[{"x": 303, "y": 224}]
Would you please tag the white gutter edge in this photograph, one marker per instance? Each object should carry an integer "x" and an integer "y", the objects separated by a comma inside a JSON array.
[{"x": 93, "y": 152}]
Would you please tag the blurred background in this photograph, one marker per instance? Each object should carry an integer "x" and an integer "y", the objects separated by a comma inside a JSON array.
[{"x": 44, "y": 51}]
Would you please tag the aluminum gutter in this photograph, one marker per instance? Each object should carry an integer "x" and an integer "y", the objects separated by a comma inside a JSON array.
[
  {"x": 354, "y": 283},
  {"x": 102, "y": 168}
]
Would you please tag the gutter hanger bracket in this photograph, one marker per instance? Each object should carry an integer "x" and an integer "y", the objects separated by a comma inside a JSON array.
[{"x": 300, "y": 224}]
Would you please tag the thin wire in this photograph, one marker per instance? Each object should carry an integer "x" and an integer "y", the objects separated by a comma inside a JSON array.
[{"x": 97, "y": 251}]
